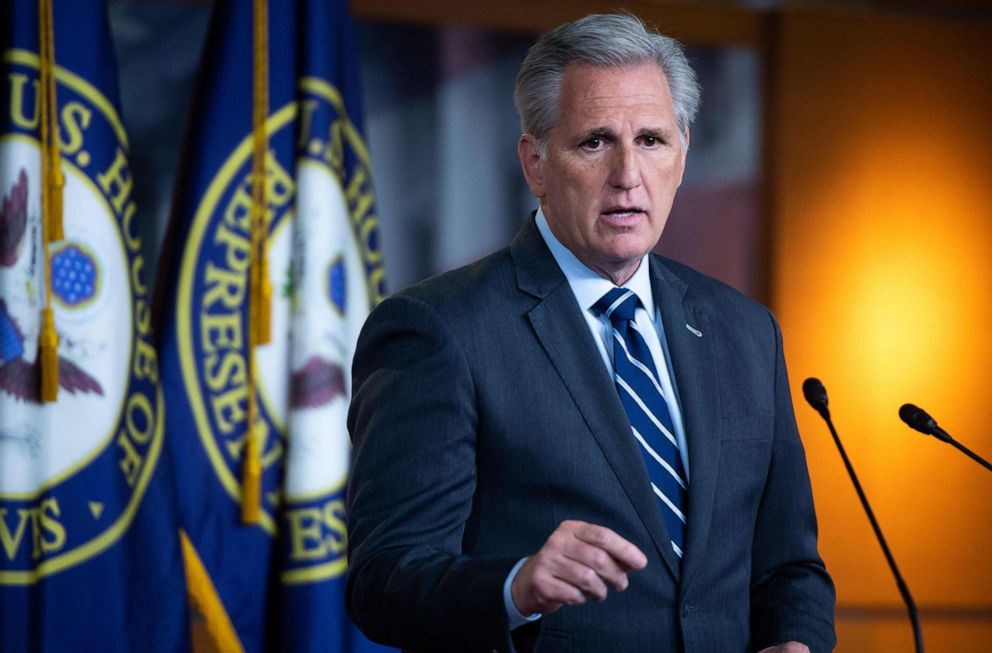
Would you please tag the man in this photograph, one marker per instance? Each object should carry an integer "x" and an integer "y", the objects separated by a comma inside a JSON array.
[{"x": 574, "y": 445}]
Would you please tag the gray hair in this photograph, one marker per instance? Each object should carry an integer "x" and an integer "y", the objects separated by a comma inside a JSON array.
[{"x": 604, "y": 40}]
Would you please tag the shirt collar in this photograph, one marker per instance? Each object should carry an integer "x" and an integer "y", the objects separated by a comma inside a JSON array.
[{"x": 586, "y": 284}]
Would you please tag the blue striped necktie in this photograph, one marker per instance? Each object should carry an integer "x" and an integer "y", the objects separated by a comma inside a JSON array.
[{"x": 642, "y": 397}]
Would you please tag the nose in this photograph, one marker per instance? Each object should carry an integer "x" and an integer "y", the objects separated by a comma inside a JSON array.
[{"x": 625, "y": 173}]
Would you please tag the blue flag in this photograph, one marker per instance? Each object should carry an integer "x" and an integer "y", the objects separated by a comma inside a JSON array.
[
  {"x": 276, "y": 584},
  {"x": 89, "y": 552}
]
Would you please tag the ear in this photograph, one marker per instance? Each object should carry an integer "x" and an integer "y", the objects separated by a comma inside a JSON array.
[
  {"x": 532, "y": 164},
  {"x": 685, "y": 152}
]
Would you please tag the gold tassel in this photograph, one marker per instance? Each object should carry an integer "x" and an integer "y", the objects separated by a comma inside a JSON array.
[
  {"x": 251, "y": 478},
  {"x": 48, "y": 352},
  {"x": 51, "y": 198}
]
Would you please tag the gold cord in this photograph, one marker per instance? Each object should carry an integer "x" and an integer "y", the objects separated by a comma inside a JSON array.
[
  {"x": 260, "y": 298},
  {"x": 52, "y": 183}
]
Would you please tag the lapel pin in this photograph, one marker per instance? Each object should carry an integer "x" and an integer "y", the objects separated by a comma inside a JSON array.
[{"x": 696, "y": 332}]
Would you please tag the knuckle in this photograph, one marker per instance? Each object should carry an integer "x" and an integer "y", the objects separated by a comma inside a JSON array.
[
  {"x": 551, "y": 545},
  {"x": 577, "y": 598},
  {"x": 599, "y": 558},
  {"x": 598, "y": 536},
  {"x": 558, "y": 536},
  {"x": 588, "y": 578}
]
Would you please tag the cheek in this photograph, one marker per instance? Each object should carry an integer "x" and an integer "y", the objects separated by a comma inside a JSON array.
[
  {"x": 667, "y": 179},
  {"x": 584, "y": 180}
]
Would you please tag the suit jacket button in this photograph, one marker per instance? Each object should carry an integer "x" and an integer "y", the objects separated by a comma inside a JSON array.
[{"x": 686, "y": 608}]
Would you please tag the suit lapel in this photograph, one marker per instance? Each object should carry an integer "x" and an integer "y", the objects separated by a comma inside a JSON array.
[
  {"x": 694, "y": 367},
  {"x": 562, "y": 332}
]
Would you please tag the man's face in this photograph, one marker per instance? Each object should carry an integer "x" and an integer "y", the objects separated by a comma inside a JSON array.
[{"x": 613, "y": 163}]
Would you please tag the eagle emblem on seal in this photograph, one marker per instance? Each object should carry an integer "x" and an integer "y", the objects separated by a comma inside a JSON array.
[{"x": 18, "y": 377}]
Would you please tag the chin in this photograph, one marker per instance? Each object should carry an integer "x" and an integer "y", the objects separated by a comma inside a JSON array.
[{"x": 631, "y": 250}]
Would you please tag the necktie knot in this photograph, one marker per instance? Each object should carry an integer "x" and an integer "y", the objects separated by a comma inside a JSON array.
[{"x": 618, "y": 305}]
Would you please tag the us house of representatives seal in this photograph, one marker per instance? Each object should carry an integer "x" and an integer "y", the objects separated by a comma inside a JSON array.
[
  {"x": 326, "y": 271},
  {"x": 72, "y": 472}
]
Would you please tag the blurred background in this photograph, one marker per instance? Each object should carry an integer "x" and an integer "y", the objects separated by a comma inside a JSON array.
[{"x": 840, "y": 171}]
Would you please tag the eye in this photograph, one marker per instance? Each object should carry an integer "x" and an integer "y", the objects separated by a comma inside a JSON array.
[
  {"x": 650, "y": 141},
  {"x": 594, "y": 143}
]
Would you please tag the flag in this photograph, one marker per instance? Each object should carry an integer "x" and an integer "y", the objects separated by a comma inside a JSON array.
[
  {"x": 89, "y": 552},
  {"x": 273, "y": 264}
]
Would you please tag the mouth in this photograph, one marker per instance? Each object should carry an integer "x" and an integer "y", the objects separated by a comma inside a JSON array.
[{"x": 623, "y": 215}]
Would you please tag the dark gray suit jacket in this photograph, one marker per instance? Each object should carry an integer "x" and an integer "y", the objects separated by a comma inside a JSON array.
[{"x": 483, "y": 416}]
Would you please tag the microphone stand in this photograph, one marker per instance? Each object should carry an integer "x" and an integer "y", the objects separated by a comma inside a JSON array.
[
  {"x": 903, "y": 588},
  {"x": 968, "y": 452}
]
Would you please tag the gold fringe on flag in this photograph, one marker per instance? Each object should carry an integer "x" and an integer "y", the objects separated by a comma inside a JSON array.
[
  {"x": 52, "y": 182},
  {"x": 260, "y": 297}
]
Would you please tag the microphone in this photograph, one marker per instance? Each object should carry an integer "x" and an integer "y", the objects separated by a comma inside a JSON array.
[
  {"x": 816, "y": 395},
  {"x": 920, "y": 420}
]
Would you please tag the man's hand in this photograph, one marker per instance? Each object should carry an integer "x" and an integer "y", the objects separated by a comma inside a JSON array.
[
  {"x": 788, "y": 647},
  {"x": 578, "y": 562}
]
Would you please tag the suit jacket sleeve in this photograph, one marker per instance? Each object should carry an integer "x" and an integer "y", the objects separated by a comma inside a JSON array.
[
  {"x": 413, "y": 423},
  {"x": 792, "y": 597}
]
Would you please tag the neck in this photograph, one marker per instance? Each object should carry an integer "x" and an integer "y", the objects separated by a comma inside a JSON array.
[{"x": 619, "y": 275}]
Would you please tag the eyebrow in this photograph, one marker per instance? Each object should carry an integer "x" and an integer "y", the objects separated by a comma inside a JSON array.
[
  {"x": 608, "y": 134},
  {"x": 661, "y": 134},
  {"x": 598, "y": 132}
]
